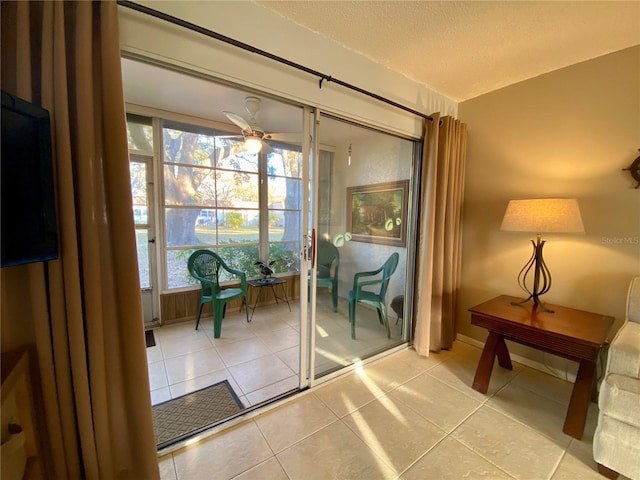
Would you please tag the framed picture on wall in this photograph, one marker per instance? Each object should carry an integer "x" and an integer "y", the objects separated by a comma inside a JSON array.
[{"x": 378, "y": 213}]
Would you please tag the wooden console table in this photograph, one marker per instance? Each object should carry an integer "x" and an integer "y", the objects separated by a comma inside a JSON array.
[{"x": 568, "y": 333}]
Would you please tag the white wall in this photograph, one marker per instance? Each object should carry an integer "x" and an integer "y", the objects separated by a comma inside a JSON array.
[
  {"x": 378, "y": 159},
  {"x": 262, "y": 28}
]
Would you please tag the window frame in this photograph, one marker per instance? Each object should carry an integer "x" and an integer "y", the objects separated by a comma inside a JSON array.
[{"x": 191, "y": 125}]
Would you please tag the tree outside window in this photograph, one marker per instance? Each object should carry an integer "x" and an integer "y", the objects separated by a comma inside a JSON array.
[{"x": 211, "y": 199}]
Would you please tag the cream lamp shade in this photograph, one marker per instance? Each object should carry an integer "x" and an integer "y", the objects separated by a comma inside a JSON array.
[
  {"x": 540, "y": 215},
  {"x": 543, "y": 215}
]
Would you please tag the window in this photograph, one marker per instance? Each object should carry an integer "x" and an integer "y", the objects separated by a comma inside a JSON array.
[
  {"x": 284, "y": 212},
  {"x": 140, "y": 135},
  {"x": 212, "y": 199}
]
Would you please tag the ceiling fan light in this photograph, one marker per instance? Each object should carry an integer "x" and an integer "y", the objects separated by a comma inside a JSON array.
[{"x": 252, "y": 143}]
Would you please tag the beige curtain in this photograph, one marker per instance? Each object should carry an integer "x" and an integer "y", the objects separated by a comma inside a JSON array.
[
  {"x": 86, "y": 308},
  {"x": 440, "y": 234}
]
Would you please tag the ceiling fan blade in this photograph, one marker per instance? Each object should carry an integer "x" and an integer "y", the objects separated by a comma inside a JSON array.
[
  {"x": 286, "y": 137},
  {"x": 239, "y": 138},
  {"x": 238, "y": 120}
]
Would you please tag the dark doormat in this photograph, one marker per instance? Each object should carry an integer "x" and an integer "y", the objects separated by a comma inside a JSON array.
[
  {"x": 149, "y": 339},
  {"x": 182, "y": 417}
]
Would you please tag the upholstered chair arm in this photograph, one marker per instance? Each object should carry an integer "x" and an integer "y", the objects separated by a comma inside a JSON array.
[
  {"x": 633, "y": 301},
  {"x": 624, "y": 351}
]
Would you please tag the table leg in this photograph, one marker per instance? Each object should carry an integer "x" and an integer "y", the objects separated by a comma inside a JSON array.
[
  {"x": 275, "y": 295},
  {"x": 504, "y": 360},
  {"x": 579, "y": 403},
  {"x": 485, "y": 365},
  {"x": 286, "y": 297},
  {"x": 255, "y": 304}
]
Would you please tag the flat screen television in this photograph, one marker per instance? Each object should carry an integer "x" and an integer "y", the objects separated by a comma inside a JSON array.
[{"x": 28, "y": 225}]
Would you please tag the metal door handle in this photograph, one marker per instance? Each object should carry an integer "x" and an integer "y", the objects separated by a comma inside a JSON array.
[{"x": 313, "y": 248}]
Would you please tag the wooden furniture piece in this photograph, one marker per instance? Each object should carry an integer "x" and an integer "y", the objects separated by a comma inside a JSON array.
[
  {"x": 568, "y": 333},
  {"x": 19, "y": 421},
  {"x": 268, "y": 282}
]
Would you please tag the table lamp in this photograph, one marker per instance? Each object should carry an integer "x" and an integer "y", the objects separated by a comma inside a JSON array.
[{"x": 541, "y": 215}]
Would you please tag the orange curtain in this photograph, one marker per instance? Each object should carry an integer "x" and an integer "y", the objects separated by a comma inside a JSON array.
[
  {"x": 86, "y": 310},
  {"x": 440, "y": 234}
]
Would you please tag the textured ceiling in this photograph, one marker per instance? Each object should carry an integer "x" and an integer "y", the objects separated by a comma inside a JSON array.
[{"x": 466, "y": 49}]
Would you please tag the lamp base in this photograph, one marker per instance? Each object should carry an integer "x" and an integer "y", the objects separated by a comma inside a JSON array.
[
  {"x": 541, "y": 277},
  {"x": 536, "y": 303}
]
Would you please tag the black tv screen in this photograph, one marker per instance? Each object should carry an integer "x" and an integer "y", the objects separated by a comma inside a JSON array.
[{"x": 28, "y": 226}]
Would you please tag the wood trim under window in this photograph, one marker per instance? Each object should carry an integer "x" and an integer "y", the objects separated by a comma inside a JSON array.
[{"x": 183, "y": 306}]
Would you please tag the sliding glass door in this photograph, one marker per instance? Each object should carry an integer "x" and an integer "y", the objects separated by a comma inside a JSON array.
[
  {"x": 324, "y": 201},
  {"x": 361, "y": 256}
]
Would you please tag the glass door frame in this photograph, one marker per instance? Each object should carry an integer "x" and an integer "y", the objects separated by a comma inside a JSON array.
[
  {"x": 308, "y": 290},
  {"x": 150, "y": 295},
  {"x": 306, "y": 295}
]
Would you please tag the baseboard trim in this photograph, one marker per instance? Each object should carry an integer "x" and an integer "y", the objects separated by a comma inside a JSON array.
[{"x": 556, "y": 372}]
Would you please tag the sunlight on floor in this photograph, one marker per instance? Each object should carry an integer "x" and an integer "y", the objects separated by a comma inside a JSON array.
[
  {"x": 260, "y": 359},
  {"x": 404, "y": 417}
]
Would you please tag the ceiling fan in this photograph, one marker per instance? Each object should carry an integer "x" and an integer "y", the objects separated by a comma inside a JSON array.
[{"x": 254, "y": 135}]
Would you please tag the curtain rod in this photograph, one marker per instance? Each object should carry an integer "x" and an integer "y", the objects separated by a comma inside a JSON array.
[{"x": 244, "y": 46}]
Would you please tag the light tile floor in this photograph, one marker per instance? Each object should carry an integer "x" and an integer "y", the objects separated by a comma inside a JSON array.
[
  {"x": 403, "y": 417},
  {"x": 261, "y": 359}
]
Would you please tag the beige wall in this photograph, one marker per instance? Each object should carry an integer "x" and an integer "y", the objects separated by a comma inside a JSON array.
[{"x": 568, "y": 133}]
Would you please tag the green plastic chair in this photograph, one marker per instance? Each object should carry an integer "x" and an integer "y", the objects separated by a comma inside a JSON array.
[
  {"x": 328, "y": 263},
  {"x": 372, "y": 299},
  {"x": 204, "y": 266}
]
